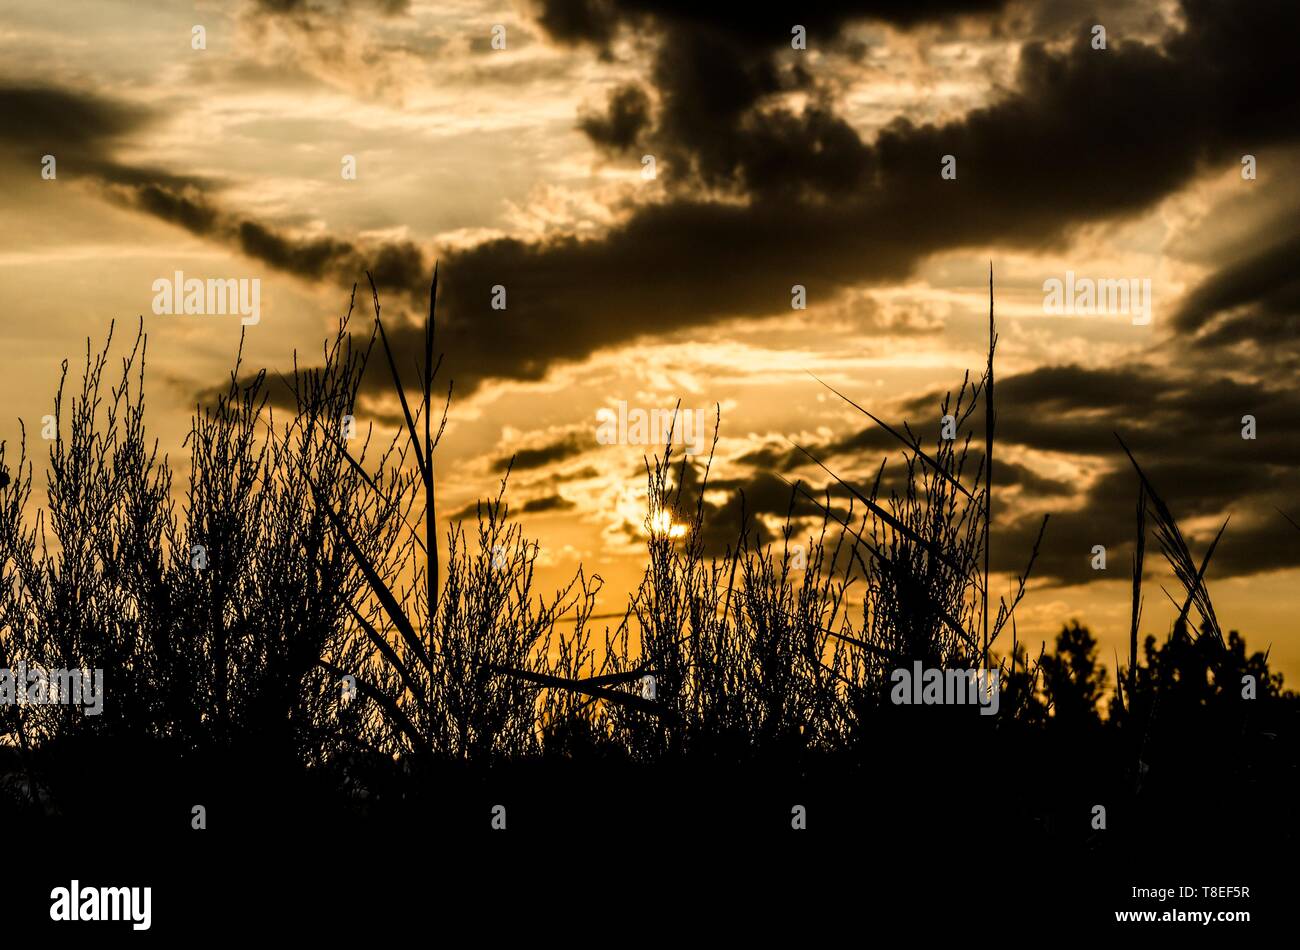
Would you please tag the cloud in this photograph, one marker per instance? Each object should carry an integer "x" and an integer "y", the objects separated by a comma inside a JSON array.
[
  {"x": 540, "y": 505},
  {"x": 816, "y": 204},
  {"x": 85, "y": 130},
  {"x": 398, "y": 266},
  {"x": 597, "y": 21},
  {"x": 758, "y": 194},
  {"x": 82, "y": 130},
  {"x": 1184, "y": 428},
  {"x": 1186, "y": 432},
  {"x": 46, "y": 118},
  {"x": 331, "y": 7},
  {"x": 548, "y": 503},
  {"x": 626, "y": 117},
  {"x": 1252, "y": 300},
  {"x": 352, "y": 45},
  {"x": 811, "y": 201},
  {"x": 1031, "y": 483},
  {"x": 540, "y": 456}
]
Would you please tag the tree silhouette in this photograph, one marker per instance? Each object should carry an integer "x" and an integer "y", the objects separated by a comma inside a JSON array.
[{"x": 1073, "y": 681}]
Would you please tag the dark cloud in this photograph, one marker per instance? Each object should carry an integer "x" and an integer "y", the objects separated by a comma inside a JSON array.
[
  {"x": 539, "y": 456},
  {"x": 1187, "y": 435},
  {"x": 581, "y": 474},
  {"x": 468, "y": 512},
  {"x": 182, "y": 207},
  {"x": 1241, "y": 70},
  {"x": 619, "y": 127},
  {"x": 714, "y": 66},
  {"x": 767, "y": 494},
  {"x": 548, "y": 503},
  {"x": 768, "y": 24},
  {"x": 859, "y": 449},
  {"x": 1257, "y": 538},
  {"x": 817, "y": 204},
  {"x": 1080, "y": 136},
  {"x": 1073, "y": 410},
  {"x": 1030, "y": 483},
  {"x": 279, "y": 393},
  {"x": 822, "y": 207},
  {"x": 785, "y": 456},
  {"x": 82, "y": 130},
  {"x": 545, "y": 503},
  {"x": 578, "y": 21},
  {"x": 398, "y": 266},
  {"x": 44, "y": 119},
  {"x": 330, "y": 7},
  {"x": 1186, "y": 432},
  {"x": 1253, "y": 300}
]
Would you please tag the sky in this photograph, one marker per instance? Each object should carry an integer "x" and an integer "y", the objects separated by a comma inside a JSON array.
[{"x": 881, "y": 158}]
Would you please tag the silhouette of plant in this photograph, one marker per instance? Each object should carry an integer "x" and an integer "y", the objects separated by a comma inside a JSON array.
[{"x": 299, "y": 617}]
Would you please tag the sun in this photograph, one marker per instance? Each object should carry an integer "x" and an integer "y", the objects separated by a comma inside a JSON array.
[{"x": 661, "y": 524}]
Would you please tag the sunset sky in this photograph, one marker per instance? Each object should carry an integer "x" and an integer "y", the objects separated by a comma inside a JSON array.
[{"x": 523, "y": 167}]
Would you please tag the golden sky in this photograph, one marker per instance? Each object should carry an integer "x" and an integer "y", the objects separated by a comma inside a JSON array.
[{"x": 523, "y": 167}]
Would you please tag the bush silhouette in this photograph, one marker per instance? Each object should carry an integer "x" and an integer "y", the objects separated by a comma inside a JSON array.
[{"x": 298, "y": 617}]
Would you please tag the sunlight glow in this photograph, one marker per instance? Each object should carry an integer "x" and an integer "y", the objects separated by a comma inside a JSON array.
[{"x": 662, "y": 525}]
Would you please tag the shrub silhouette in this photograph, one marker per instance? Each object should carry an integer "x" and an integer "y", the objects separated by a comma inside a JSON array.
[{"x": 301, "y": 561}]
